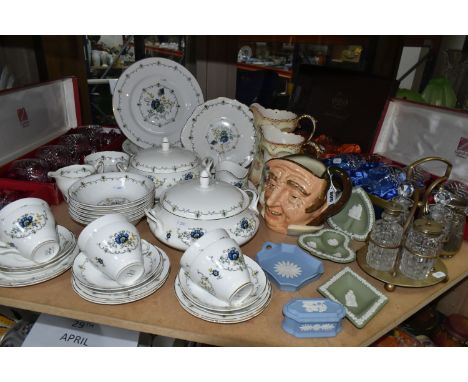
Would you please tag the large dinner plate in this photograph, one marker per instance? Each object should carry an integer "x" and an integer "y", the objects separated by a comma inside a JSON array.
[
  {"x": 153, "y": 99},
  {"x": 221, "y": 128}
]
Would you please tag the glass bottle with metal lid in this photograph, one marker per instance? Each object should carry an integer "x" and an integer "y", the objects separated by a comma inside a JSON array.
[
  {"x": 385, "y": 239},
  {"x": 421, "y": 248},
  {"x": 456, "y": 231}
]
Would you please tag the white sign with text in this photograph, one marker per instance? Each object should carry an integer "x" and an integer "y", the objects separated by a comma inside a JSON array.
[{"x": 58, "y": 332}]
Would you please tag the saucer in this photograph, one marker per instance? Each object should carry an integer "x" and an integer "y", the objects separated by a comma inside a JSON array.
[
  {"x": 9, "y": 279},
  {"x": 14, "y": 262},
  {"x": 206, "y": 300},
  {"x": 125, "y": 296},
  {"x": 221, "y": 318},
  {"x": 90, "y": 277}
]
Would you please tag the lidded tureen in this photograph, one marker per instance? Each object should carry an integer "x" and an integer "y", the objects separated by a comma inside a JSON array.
[
  {"x": 165, "y": 165},
  {"x": 189, "y": 209}
]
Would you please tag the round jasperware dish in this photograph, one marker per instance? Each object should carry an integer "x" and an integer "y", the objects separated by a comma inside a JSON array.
[{"x": 190, "y": 209}]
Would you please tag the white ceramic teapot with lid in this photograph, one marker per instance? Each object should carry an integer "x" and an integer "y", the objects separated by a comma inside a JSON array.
[
  {"x": 189, "y": 209},
  {"x": 165, "y": 165}
]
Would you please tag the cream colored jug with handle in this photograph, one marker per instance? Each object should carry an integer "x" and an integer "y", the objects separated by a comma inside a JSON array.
[{"x": 281, "y": 119}]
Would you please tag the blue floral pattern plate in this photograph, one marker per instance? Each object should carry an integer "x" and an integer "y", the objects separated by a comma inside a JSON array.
[
  {"x": 288, "y": 266},
  {"x": 153, "y": 99},
  {"x": 221, "y": 128}
]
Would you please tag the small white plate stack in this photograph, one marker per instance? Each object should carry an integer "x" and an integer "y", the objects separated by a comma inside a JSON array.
[
  {"x": 200, "y": 303},
  {"x": 18, "y": 271},
  {"x": 109, "y": 193},
  {"x": 94, "y": 286}
]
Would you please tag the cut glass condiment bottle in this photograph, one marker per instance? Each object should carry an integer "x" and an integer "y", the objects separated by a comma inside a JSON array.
[
  {"x": 405, "y": 191},
  {"x": 421, "y": 248},
  {"x": 457, "y": 228},
  {"x": 385, "y": 239}
]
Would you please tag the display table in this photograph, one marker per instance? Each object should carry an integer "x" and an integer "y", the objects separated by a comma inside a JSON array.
[{"x": 161, "y": 313}]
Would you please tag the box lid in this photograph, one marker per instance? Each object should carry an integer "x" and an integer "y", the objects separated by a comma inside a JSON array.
[
  {"x": 313, "y": 310},
  {"x": 409, "y": 131},
  {"x": 34, "y": 115}
]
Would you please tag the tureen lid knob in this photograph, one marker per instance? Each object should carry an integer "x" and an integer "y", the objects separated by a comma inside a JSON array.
[
  {"x": 204, "y": 179},
  {"x": 165, "y": 144}
]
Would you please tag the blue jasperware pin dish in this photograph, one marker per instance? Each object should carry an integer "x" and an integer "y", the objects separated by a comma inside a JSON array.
[{"x": 288, "y": 266}]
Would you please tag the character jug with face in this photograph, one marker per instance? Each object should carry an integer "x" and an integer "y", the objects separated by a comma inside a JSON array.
[{"x": 301, "y": 192}]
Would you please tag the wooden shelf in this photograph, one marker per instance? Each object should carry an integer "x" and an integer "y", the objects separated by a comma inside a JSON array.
[
  {"x": 316, "y": 40},
  {"x": 281, "y": 72},
  {"x": 166, "y": 52},
  {"x": 161, "y": 313}
]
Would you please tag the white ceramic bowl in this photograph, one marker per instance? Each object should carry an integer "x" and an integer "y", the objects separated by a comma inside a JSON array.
[{"x": 112, "y": 188}]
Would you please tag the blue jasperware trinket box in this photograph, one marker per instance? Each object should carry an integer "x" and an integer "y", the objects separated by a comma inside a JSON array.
[
  {"x": 288, "y": 266},
  {"x": 313, "y": 317}
]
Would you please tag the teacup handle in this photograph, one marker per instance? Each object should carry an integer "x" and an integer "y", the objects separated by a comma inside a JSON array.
[
  {"x": 99, "y": 167},
  {"x": 121, "y": 167},
  {"x": 254, "y": 202},
  {"x": 314, "y": 124},
  {"x": 333, "y": 209}
]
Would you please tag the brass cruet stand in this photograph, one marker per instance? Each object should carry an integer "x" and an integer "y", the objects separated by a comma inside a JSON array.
[{"x": 394, "y": 277}]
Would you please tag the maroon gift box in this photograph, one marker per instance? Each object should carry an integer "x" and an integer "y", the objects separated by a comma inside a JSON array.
[
  {"x": 409, "y": 131},
  {"x": 34, "y": 116}
]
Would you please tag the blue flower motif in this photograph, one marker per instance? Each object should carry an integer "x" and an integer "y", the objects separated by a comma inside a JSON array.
[
  {"x": 224, "y": 137},
  {"x": 25, "y": 221},
  {"x": 238, "y": 184},
  {"x": 168, "y": 235},
  {"x": 188, "y": 176},
  {"x": 121, "y": 237},
  {"x": 155, "y": 104},
  {"x": 197, "y": 233},
  {"x": 215, "y": 272},
  {"x": 244, "y": 223},
  {"x": 233, "y": 254}
]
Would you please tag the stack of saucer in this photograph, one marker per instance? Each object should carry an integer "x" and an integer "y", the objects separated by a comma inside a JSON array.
[
  {"x": 218, "y": 284},
  {"x": 93, "y": 285},
  {"x": 114, "y": 192},
  {"x": 17, "y": 270},
  {"x": 200, "y": 303}
]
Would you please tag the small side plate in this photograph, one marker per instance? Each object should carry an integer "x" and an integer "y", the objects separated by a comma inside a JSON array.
[
  {"x": 288, "y": 266},
  {"x": 357, "y": 217},
  {"x": 328, "y": 244},
  {"x": 361, "y": 300}
]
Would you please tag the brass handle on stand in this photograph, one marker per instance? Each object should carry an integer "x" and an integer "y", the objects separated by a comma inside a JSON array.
[{"x": 412, "y": 166}]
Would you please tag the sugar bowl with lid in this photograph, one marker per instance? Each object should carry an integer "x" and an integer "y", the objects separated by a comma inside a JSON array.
[
  {"x": 165, "y": 165},
  {"x": 189, "y": 209}
]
